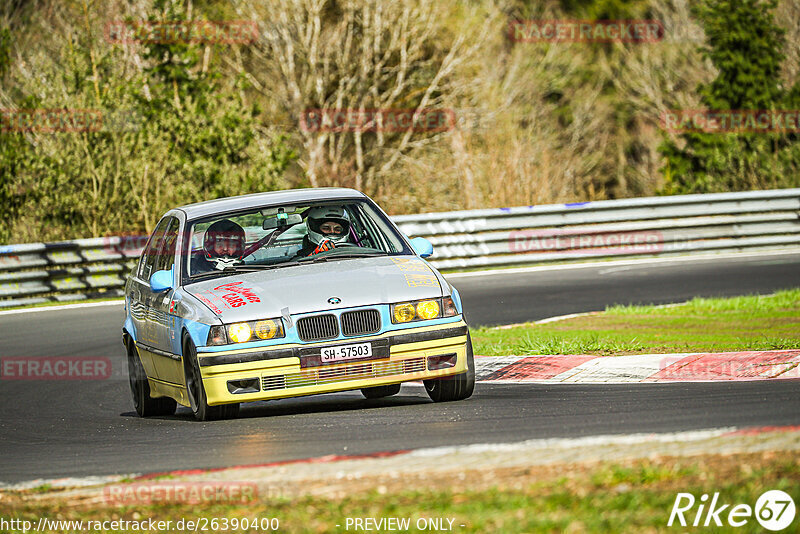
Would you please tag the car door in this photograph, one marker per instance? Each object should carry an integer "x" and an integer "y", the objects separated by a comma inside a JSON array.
[
  {"x": 166, "y": 324},
  {"x": 140, "y": 298}
]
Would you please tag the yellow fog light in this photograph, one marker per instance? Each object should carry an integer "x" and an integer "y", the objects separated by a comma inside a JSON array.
[
  {"x": 428, "y": 309},
  {"x": 404, "y": 313},
  {"x": 267, "y": 329},
  {"x": 240, "y": 332}
]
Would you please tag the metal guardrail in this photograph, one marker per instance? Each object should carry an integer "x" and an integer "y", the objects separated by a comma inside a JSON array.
[
  {"x": 724, "y": 222},
  {"x": 630, "y": 227}
]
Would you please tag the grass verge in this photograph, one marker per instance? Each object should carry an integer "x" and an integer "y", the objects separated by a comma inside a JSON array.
[
  {"x": 628, "y": 496},
  {"x": 760, "y": 322}
]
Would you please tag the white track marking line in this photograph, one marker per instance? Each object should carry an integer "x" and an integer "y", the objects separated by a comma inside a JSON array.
[
  {"x": 548, "y": 444},
  {"x": 70, "y": 482},
  {"x": 569, "y": 443},
  {"x": 117, "y": 302},
  {"x": 614, "y": 263},
  {"x": 613, "y": 270}
]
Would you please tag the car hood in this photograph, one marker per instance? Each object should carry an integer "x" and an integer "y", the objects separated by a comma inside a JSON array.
[{"x": 307, "y": 288}]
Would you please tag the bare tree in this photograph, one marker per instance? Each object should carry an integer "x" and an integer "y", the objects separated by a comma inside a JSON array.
[
  {"x": 368, "y": 55},
  {"x": 788, "y": 16}
]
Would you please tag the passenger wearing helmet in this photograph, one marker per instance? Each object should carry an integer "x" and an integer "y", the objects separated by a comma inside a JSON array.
[
  {"x": 328, "y": 227},
  {"x": 223, "y": 246}
]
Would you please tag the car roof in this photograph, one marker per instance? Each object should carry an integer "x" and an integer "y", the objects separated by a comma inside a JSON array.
[{"x": 288, "y": 196}]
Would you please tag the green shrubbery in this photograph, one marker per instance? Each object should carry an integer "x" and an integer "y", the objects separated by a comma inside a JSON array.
[
  {"x": 175, "y": 130},
  {"x": 746, "y": 47}
]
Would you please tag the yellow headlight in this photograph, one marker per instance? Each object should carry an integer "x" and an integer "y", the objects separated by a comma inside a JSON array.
[
  {"x": 240, "y": 332},
  {"x": 266, "y": 329},
  {"x": 404, "y": 313},
  {"x": 428, "y": 309}
]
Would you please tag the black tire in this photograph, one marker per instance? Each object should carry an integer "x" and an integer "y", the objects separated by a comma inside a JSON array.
[
  {"x": 197, "y": 393},
  {"x": 378, "y": 392},
  {"x": 145, "y": 405},
  {"x": 457, "y": 387}
]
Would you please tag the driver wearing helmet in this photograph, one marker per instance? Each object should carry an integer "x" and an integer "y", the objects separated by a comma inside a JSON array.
[
  {"x": 223, "y": 246},
  {"x": 328, "y": 226}
]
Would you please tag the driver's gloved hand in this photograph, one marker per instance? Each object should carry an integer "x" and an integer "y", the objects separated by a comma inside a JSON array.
[{"x": 325, "y": 245}]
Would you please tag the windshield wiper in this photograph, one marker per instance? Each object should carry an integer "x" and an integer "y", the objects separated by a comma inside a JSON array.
[
  {"x": 314, "y": 259},
  {"x": 244, "y": 269},
  {"x": 258, "y": 267}
]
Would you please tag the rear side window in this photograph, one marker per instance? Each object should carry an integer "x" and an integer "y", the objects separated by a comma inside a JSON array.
[
  {"x": 150, "y": 254},
  {"x": 165, "y": 257}
]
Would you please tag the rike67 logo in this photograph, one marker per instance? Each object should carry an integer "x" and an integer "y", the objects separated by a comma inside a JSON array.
[{"x": 774, "y": 510}]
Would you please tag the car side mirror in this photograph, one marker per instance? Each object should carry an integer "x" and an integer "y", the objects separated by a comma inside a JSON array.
[
  {"x": 422, "y": 246},
  {"x": 161, "y": 281}
]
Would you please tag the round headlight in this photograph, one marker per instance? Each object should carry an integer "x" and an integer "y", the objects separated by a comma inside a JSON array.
[
  {"x": 428, "y": 309},
  {"x": 266, "y": 329},
  {"x": 404, "y": 313},
  {"x": 240, "y": 332}
]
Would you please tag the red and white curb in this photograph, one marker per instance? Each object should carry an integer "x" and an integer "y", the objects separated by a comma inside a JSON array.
[{"x": 694, "y": 367}]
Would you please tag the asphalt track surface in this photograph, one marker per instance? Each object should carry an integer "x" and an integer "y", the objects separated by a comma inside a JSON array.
[{"x": 53, "y": 429}]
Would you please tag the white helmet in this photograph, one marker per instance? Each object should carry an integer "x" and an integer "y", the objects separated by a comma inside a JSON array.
[{"x": 320, "y": 215}]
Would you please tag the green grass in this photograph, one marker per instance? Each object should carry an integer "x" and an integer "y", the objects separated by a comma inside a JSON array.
[
  {"x": 760, "y": 322},
  {"x": 631, "y": 496}
]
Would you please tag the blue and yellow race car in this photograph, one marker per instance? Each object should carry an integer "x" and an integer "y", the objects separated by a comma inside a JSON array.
[{"x": 284, "y": 294}]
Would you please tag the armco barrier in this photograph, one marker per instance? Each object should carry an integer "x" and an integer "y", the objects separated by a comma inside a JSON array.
[
  {"x": 723, "y": 222},
  {"x": 629, "y": 227}
]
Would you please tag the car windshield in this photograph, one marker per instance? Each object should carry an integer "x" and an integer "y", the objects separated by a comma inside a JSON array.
[{"x": 284, "y": 235}]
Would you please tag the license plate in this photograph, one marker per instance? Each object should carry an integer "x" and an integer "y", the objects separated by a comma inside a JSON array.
[{"x": 346, "y": 352}]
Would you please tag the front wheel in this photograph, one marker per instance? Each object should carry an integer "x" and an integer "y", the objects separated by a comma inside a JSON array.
[
  {"x": 145, "y": 405},
  {"x": 197, "y": 393},
  {"x": 457, "y": 387}
]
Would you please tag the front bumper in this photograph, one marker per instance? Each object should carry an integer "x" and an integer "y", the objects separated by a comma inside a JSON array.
[{"x": 403, "y": 356}]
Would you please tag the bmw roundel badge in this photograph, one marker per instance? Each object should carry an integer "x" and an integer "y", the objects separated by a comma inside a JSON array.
[{"x": 334, "y": 300}]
